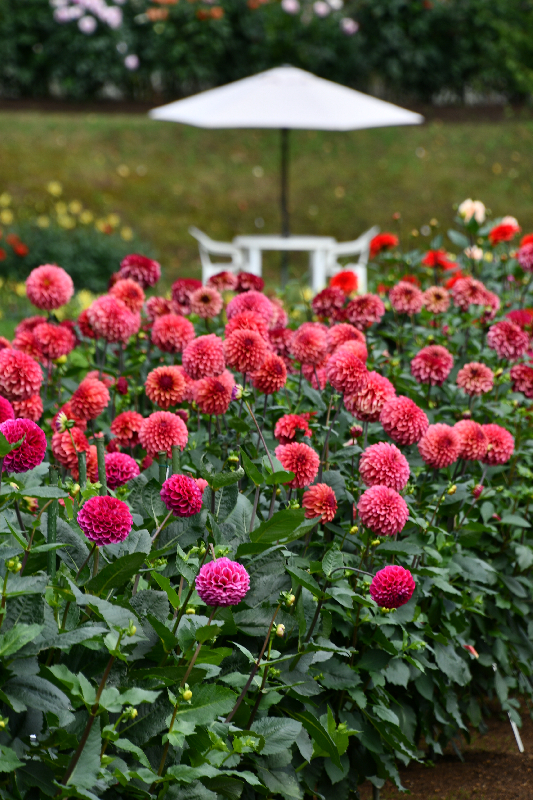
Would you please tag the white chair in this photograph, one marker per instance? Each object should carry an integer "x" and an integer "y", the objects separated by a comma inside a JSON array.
[
  {"x": 358, "y": 247},
  {"x": 209, "y": 247}
]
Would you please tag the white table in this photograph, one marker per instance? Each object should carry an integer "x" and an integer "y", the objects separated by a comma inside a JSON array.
[{"x": 318, "y": 248}]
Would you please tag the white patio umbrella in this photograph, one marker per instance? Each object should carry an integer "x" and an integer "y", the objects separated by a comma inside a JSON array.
[{"x": 286, "y": 98}]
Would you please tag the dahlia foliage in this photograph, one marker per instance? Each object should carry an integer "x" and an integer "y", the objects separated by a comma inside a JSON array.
[{"x": 261, "y": 548}]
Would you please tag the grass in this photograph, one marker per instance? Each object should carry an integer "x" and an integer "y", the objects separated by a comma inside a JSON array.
[{"x": 341, "y": 183}]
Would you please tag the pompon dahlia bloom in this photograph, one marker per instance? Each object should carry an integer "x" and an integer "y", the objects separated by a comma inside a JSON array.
[
  {"x": 320, "y": 501},
  {"x": 327, "y": 302},
  {"x": 247, "y": 282},
  {"x": 475, "y": 378},
  {"x": 289, "y": 424},
  {"x": 341, "y": 334},
  {"x": 346, "y": 372},
  {"x": 280, "y": 318},
  {"x": 26, "y": 342},
  {"x": 432, "y": 365},
  {"x": 157, "y": 307},
  {"x": 29, "y": 324},
  {"x": 473, "y": 440},
  {"x": 126, "y": 427},
  {"x": 308, "y": 344},
  {"x": 130, "y": 292},
  {"x": 365, "y": 311},
  {"x": 49, "y": 287},
  {"x": 247, "y": 321},
  {"x": 300, "y": 459},
  {"x": 145, "y": 271},
  {"x": 213, "y": 395},
  {"x": 251, "y": 301},
  {"x": 54, "y": 341},
  {"x": 383, "y": 464},
  {"x": 172, "y": 333},
  {"x": 500, "y": 447},
  {"x": 119, "y": 469},
  {"x": 383, "y": 510},
  {"x": 440, "y": 446},
  {"x": 90, "y": 399},
  {"x": 522, "y": 379},
  {"x": 4, "y": 342},
  {"x": 111, "y": 319},
  {"x": 160, "y": 431},
  {"x": 181, "y": 293},
  {"x": 181, "y": 495},
  {"x": 271, "y": 375},
  {"x": 383, "y": 241},
  {"x": 222, "y": 583},
  {"x": 508, "y": 340},
  {"x": 356, "y": 347},
  {"x": 223, "y": 281},
  {"x": 392, "y": 586},
  {"x": 105, "y": 520},
  {"x": 165, "y": 386},
  {"x": 525, "y": 257},
  {"x": 32, "y": 450},
  {"x": 468, "y": 291},
  {"x": 505, "y": 231},
  {"x": 207, "y": 302},
  {"x": 523, "y": 317},
  {"x": 204, "y": 357},
  {"x": 346, "y": 281},
  {"x": 85, "y": 326},
  {"x": 6, "y": 410},
  {"x": 31, "y": 408},
  {"x": 245, "y": 351},
  {"x": 67, "y": 445},
  {"x": 66, "y": 409},
  {"x": 436, "y": 299},
  {"x": 406, "y": 298},
  {"x": 403, "y": 420},
  {"x": 366, "y": 405},
  {"x": 20, "y": 375}
]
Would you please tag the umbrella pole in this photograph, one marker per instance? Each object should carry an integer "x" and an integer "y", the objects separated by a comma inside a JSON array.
[{"x": 285, "y": 224}]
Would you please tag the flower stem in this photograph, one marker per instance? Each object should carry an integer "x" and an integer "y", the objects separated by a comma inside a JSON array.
[{"x": 251, "y": 413}]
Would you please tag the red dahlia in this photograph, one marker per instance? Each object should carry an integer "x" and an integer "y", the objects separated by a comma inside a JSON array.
[
  {"x": 392, "y": 586},
  {"x": 139, "y": 268}
]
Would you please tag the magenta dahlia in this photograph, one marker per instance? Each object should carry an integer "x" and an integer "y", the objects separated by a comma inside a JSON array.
[
  {"x": 105, "y": 520},
  {"x": 145, "y": 271},
  {"x": 181, "y": 495},
  {"x": 392, "y": 586},
  {"x": 32, "y": 450},
  {"x": 119, "y": 469},
  {"x": 222, "y": 582}
]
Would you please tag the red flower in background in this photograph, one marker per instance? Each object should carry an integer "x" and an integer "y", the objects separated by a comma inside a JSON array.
[
  {"x": 383, "y": 241},
  {"x": 346, "y": 281},
  {"x": 505, "y": 231},
  {"x": 438, "y": 259}
]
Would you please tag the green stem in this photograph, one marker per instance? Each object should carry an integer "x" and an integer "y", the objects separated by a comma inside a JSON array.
[
  {"x": 100, "y": 453},
  {"x": 260, "y": 432},
  {"x": 51, "y": 528}
]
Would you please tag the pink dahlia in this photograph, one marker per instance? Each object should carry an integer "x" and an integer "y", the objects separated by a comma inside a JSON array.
[
  {"x": 367, "y": 404},
  {"x": 522, "y": 379},
  {"x": 280, "y": 318},
  {"x": 467, "y": 292},
  {"x": 383, "y": 510},
  {"x": 523, "y": 317},
  {"x": 403, "y": 420},
  {"x": 182, "y": 495},
  {"x": 126, "y": 428},
  {"x": 145, "y": 271},
  {"x": 308, "y": 344},
  {"x": 160, "y": 431},
  {"x": 32, "y": 450},
  {"x": 207, "y": 302},
  {"x": 251, "y": 301},
  {"x": 26, "y": 342},
  {"x": 119, "y": 469},
  {"x": 67, "y": 445},
  {"x": 85, "y": 326},
  {"x": 28, "y": 324},
  {"x": 320, "y": 501},
  {"x": 172, "y": 333},
  {"x": 385, "y": 465},
  {"x": 300, "y": 459},
  {"x": 280, "y": 340},
  {"x": 346, "y": 372},
  {"x": 49, "y": 287},
  {"x": 4, "y": 342},
  {"x": 223, "y": 281},
  {"x": 157, "y": 307},
  {"x": 365, "y": 310},
  {"x": 500, "y": 447},
  {"x": 20, "y": 375},
  {"x": 340, "y": 334},
  {"x": 509, "y": 341},
  {"x": 475, "y": 378},
  {"x": 355, "y": 347},
  {"x": 111, "y": 319},
  {"x": 406, "y": 298},
  {"x": 165, "y": 386},
  {"x": 246, "y": 282},
  {"x": 525, "y": 257},
  {"x": 31, "y": 408},
  {"x": 6, "y": 410},
  {"x": 247, "y": 321},
  {"x": 213, "y": 395},
  {"x": 204, "y": 357},
  {"x": 54, "y": 341},
  {"x": 271, "y": 375},
  {"x": 432, "y": 365},
  {"x": 222, "y": 582},
  {"x": 201, "y": 483},
  {"x": 288, "y": 425},
  {"x": 440, "y": 446},
  {"x": 436, "y": 299},
  {"x": 473, "y": 440},
  {"x": 181, "y": 293},
  {"x": 90, "y": 399},
  {"x": 392, "y": 586},
  {"x": 492, "y": 306},
  {"x": 327, "y": 302},
  {"x": 130, "y": 292},
  {"x": 245, "y": 351},
  {"x": 105, "y": 520}
]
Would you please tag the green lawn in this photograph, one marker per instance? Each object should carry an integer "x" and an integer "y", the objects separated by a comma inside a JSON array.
[{"x": 342, "y": 183}]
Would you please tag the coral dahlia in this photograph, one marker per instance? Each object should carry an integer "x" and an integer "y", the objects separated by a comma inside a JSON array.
[
  {"x": 271, "y": 375},
  {"x": 157, "y": 307},
  {"x": 440, "y": 446},
  {"x": 308, "y": 344},
  {"x": 160, "y": 431},
  {"x": 300, "y": 459},
  {"x": 500, "y": 447},
  {"x": 366, "y": 405},
  {"x": 49, "y": 287},
  {"x": 111, "y": 319},
  {"x": 289, "y": 424},
  {"x": 204, "y": 357},
  {"x": 436, "y": 299},
  {"x": 90, "y": 399},
  {"x": 385, "y": 465},
  {"x": 340, "y": 334},
  {"x": 522, "y": 379},
  {"x": 67, "y": 445},
  {"x": 213, "y": 395},
  {"x": 475, "y": 378},
  {"x": 251, "y": 301},
  {"x": 105, "y": 520},
  {"x": 406, "y": 298},
  {"x": 346, "y": 372},
  {"x": 165, "y": 386},
  {"x": 403, "y": 420},
  {"x": 126, "y": 427},
  {"x": 383, "y": 510},
  {"x": 20, "y": 375},
  {"x": 473, "y": 440},
  {"x": 365, "y": 310},
  {"x": 320, "y": 501},
  {"x": 172, "y": 333},
  {"x": 31, "y": 408},
  {"x": 508, "y": 340},
  {"x": 248, "y": 321},
  {"x": 245, "y": 351},
  {"x": 207, "y": 302},
  {"x": 54, "y": 341},
  {"x": 130, "y": 292},
  {"x": 432, "y": 365}
]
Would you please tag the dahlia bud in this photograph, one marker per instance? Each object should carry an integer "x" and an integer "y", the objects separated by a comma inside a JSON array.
[
  {"x": 395, "y": 362},
  {"x": 131, "y": 713},
  {"x": 467, "y": 415},
  {"x": 375, "y": 542},
  {"x": 472, "y": 650},
  {"x": 355, "y": 431},
  {"x": 122, "y": 385},
  {"x": 60, "y": 360},
  {"x": 452, "y": 489},
  {"x": 396, "y": 215},
  {"x": 3, "y": 723},
  {"x": 498, "y": 372},
  {"x": 75, "y": 489},
  {"x": 187, "y": 695},
  {"x": 190, "y": 610},
  {"x": 183, "y": 414},
  {"x": 353, "y": 530},
  {"x": 476, "y": 491},
  {"x": 62, "y": 422},
  {"x": 290, "y": 601},
  {"x": 233, "y": 458},
  {"x": 236, "y": 392},
  {"x": 280, "y": 631},
  {"x": 294, "y": 504},
  {"x": 275, "y": 673},
  {"x": 516, "y": 403},
  {"x": 131, "y": 630}
]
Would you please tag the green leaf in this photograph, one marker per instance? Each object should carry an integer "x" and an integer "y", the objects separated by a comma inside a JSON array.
[
  {"x": 279, "y": 733},
  {"x": 46, "y": 491},
  {"x": 8, "y": 758},
  {"x": 459, "y": 239},
  {"x": 166, "y": 635},
  {"x": 115, "y": 575},
  {"x": 7, "y": 447},
  {"x": 87, "y": 769},
  {"x": 280, "y": 476},
  {"x": 36, "y": 693},
  {"x": 318, "y": 734},
  {"x": 280, "y": 527},
  {"x": 331, "y": 561},
  {"x": 220, "y": 479},
  {"x": 125, "y": 744},
  {"x": 208, "y": 702},
  {"x": 17, "y": 637},
  {"x": 516, "y": 520},
  {"x": 151, "y": 500},
  {"x": 251, "y": 470},
  {"x": 304, "y": 579},
  {"x": 167, "y": 587},
  {"x": 207, "y": 632}
]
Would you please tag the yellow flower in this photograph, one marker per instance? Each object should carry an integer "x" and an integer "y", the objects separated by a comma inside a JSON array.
[
  {"x": 43, "y": 221},
  {"x": 75, "y": 207},
  {"x": 66, "y": 221},
  {"x": 54, "y": 188},
  {"x": 61, "y": 207},
  {"x": 84, "y": 298},
  {"x": 101, "y": 224},
  {"x": 307, "y": 294},
  {"x": 5, "y": 199},
  {"x": 123, "y": 170},
  {"x": 20, "y": 289},
  {"x": 127, "y": 234},
  {"x": 113, "y": 220},
  {"x": 6, "y": 216},
  {"x": 86, "y": 217}
]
